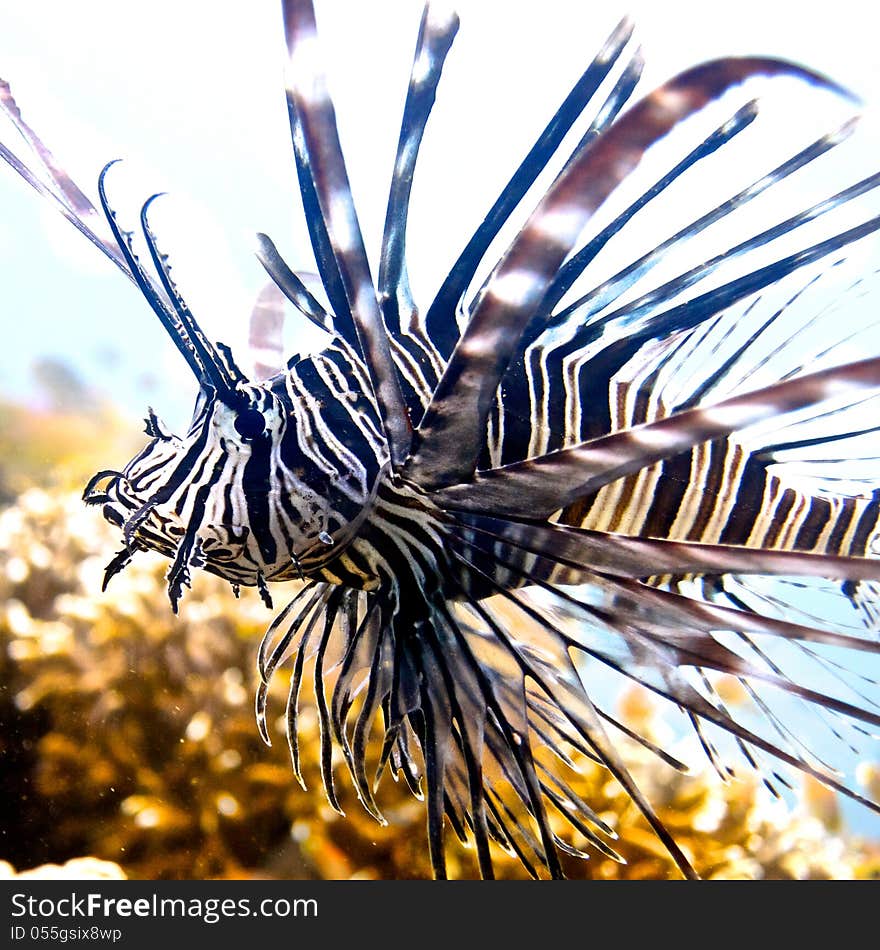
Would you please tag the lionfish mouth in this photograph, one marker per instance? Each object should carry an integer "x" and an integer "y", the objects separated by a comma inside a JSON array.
[{"x": 146, "y": 524}]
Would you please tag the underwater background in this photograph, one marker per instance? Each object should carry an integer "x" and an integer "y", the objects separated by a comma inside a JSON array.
[{"x": 128, "y": 746}]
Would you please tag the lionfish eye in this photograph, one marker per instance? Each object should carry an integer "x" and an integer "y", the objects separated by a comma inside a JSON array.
[{"x": 249, "y": 423}]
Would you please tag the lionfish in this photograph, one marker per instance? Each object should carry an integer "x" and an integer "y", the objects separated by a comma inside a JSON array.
[{"x": 481, "y": 501}]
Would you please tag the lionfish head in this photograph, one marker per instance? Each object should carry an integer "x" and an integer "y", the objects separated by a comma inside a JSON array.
[{"x": 234, "y": 495}]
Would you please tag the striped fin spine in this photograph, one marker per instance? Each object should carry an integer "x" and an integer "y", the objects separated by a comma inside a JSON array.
[
  {"x": 322, "y": 171},
  {"x": 292, "y": 286},
  {"x": 63, "y": 192},
  {"x": 415, "y": 353},
  {"x": 441, "y": 317},
  {"x": 541, "y": 486},
  {"x": 454, "y": 422}
]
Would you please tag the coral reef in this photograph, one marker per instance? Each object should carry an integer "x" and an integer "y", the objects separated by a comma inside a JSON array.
[{"x": 76, "y": 869}]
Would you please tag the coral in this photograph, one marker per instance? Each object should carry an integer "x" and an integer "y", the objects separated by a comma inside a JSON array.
[{"x": 76, "y": 869}]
